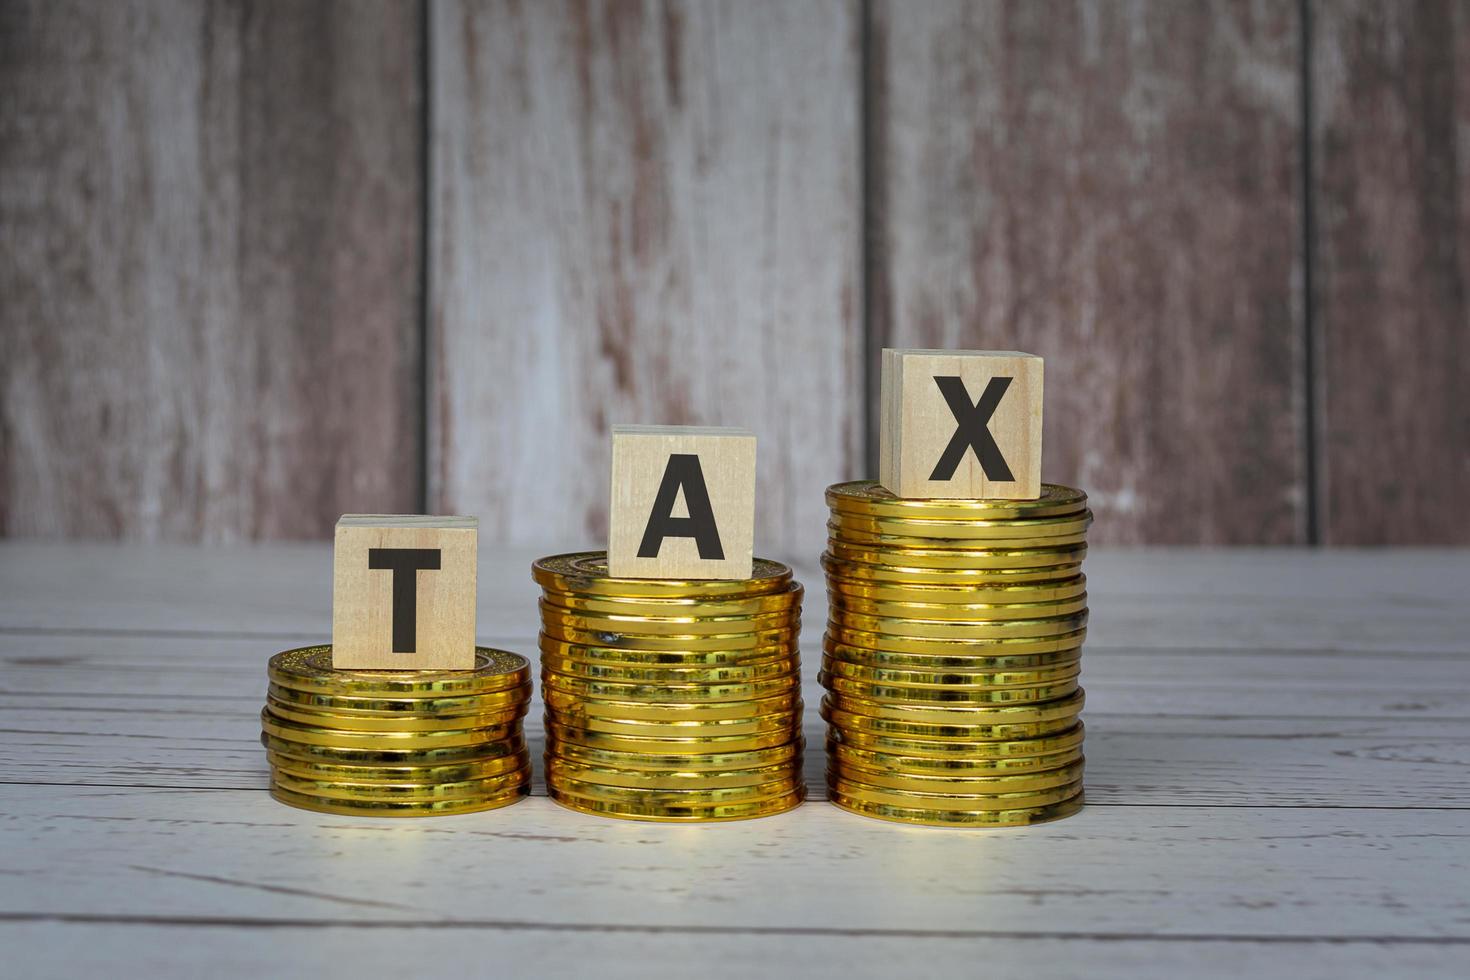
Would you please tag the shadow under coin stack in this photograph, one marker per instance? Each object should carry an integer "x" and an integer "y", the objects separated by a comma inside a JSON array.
[
  {"x": 952, "y": 654},
  {"x": 397, "y": 742},
  {"x": 670, "y": 700}
]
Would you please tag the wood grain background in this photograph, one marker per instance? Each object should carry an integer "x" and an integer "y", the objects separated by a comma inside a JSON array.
[
  {"x": 209, "y": 243},
  {"x": 1113, "y": 187},
  {"x": 263, "y": 263},
  {"x": 642, "y": 213},
  {"x": 1390, "y": 139}
]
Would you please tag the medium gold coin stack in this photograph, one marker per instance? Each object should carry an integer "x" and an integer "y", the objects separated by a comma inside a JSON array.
[
  {"x": 396, "y": 743},
  {"x": 952, "y": 655},
  {"x": 670, "y": 700}
]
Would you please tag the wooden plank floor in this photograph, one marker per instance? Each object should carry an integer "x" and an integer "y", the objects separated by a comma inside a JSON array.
[{"x": 1278, "y": 782}]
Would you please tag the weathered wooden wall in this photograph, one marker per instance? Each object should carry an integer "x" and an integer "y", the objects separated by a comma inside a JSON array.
[
  {"x": 263, "y": 263},
  {"x": 209, "y": 249},
  {"x": 642, "y": 212},
  {"x": 1114, "y": 187},
  {"x": 1390, "y": 138}
]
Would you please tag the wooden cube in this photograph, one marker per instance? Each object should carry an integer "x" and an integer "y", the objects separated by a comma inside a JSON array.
[
  {"x": 683, "y": 502},
  {"x": 403, "y": 592},
  {"x": 960, "y": 424}
]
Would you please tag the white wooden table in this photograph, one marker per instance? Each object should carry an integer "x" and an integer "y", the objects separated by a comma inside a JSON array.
[{"x": 1278, "y": 781}]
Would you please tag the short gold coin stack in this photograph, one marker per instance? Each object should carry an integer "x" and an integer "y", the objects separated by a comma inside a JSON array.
[
  {"x": 396, "y": 743},
  {"x": 952, "y": 655},
  {"x": 670, "y": 700}
]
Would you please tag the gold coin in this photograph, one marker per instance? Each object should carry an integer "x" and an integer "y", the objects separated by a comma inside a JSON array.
[
  {"x": 697, "y": 747},
  {"x": 666, "y": 692},
  {"x": 650, "y": 643},
  {"x": 786, "y": 666},
  {"x": 939, "y": 559},
  {"x": 842, "y": 754},
  {"x": 955, "y": 656},
  {"x": 563, "y": 771},
  {"x": 788, "y": 722},
  {"x": 577, "y": 704},
  {"x": 399, "y": 774},
  {"x": 388, "y": 758},
  {"x": 403, "y": 707},
  {"x": 787, "y": 601},
  {"x": 849, "y": 788},
  {"x": 686, "y": 813},
  {"x": 1019, "y": 817},
  {"x": 957, "y": 595},
  {"x": 946, "y": 750},
  {"x": 666, "y": 626},
  {"x": 292, "y": 731},
  {"x": 1047, "y": 626},
  {"x": 999, "y": 729},
  {"x": 310, "y": 669},
  {"x": 585, "y": 573},
  {"x": 987, "y": 577},
  {"x": 957, "y": 549},
  {"x": 779, "y": 786},
  {"x": 643, "y": 761},
  {"x": 960, "y": 715},
  {"x": 362, "y": 721},
  {"x": 842, "y": 605},
  {"x": 615, "y": 656},
  {"x": 399, "y": 808},
  {"x": 868, "y": 498},
  {"x": 950, "y": 548},
  {"x": 934, "y": 647},
  {"x": 962, "y": 679},
  {"x": 959, "y": 785},
  {"x": 950, "y": 529},
  {"x": 339, "y": 790},
  {"x": 950, "y": 695},
  {"x": 963, "y": 533}
]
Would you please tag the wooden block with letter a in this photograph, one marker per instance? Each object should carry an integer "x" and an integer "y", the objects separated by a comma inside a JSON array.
[
  {"x": 403, "y": 592},
  {"x": 683, "y": 502},
  {"x": 960, "y": 424}
]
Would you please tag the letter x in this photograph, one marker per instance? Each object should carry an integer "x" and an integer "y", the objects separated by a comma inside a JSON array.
[{"x": 971, "y": 429}]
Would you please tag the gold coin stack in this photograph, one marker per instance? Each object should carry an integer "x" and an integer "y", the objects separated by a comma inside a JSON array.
[
  {"x": 952, "y": 654},
  {"x": 670, "y": 700},
  {"x": 397, "y": 743}
]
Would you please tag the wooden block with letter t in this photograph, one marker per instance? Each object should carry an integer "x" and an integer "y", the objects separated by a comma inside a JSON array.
[
  {"x": 403, "y": 592},
  {"x": 683, "y": 502},
  {"x": 960, "y": 424}
]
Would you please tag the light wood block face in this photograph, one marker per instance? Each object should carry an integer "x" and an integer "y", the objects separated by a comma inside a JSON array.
[
  {"x": 960, "y": 424},
  {"x": 403, "y": 592},
  {"x": 683, "y": 502}
]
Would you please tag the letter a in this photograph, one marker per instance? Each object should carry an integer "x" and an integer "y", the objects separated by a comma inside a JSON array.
[{"x": 683, "y": 472}]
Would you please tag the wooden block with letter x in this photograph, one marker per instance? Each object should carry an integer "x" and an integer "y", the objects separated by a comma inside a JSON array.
[
  {"x": 403, "y": 592},
  {"x": 960, "y": 424},
  {"x": 683, "y": 502}
]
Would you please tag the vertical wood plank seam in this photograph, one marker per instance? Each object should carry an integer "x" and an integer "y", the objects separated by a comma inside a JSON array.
[
  {"x": 867, "y": 224},
  {"x": 425, "y": 135},
  {"x": 1312, "y": 470}
]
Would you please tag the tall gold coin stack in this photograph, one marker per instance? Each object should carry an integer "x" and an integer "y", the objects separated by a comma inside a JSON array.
[
  {"x": 670, "y": 700},
  {"x": 397, "y": 743},
  {"x": 952, "y": 655}
]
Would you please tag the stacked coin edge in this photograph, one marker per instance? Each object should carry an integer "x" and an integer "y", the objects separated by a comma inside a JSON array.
[
  {"x": 952, "y": 656},
  {"x": 670, "y": 700},
  {"x": 396, "y": 743}
]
